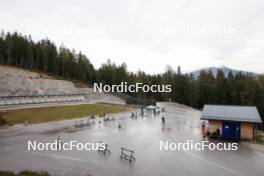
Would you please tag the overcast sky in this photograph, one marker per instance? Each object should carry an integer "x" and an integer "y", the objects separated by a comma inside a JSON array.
[{"x": 148, "y": 34}]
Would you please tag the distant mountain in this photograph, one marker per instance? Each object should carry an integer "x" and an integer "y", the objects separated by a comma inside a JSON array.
[{"x": 224, "y": 69}]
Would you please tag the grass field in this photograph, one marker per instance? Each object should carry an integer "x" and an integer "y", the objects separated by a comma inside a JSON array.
[{"x": 47, "y": 114}]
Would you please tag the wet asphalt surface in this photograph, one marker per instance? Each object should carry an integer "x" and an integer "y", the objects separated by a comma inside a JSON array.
[{"x": 142, "y": 135}]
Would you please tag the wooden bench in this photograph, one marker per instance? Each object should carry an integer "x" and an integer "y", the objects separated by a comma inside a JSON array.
[
  {"x": 127, "y": 154},
  {"x": 103, "y": 149},
  {"x": 79, "y": 123}
]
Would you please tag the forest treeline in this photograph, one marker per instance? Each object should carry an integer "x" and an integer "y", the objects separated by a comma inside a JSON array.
[{"x": 43, "y": 56}]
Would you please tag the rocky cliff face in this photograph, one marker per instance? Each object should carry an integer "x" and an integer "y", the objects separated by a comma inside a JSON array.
[{"x": 15, "y": 81}]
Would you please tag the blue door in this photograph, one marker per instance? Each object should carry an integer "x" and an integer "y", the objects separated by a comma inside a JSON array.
[{"x": 231, "y": 130}]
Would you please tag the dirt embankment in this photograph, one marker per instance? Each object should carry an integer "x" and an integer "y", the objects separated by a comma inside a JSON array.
[{"x": 15, "y": 81}]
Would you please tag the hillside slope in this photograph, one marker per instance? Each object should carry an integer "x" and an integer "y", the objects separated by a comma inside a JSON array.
[
  {"x": 15, "y": 81},
  {"x": 224, "y": 69}
]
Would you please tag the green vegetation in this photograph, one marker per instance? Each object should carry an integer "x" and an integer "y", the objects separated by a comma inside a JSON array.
[
  {"x": 27, "y": 173},
  {"x": 24, "y": 173},
  {"x": 259, "y": 137},
  {"x": 47, "y": 114},
  {"x": 2, "y": 120},
  {"x": 44, "y": 56}
]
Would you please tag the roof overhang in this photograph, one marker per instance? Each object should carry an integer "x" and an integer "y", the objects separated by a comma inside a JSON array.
[
  {"x": 231, "y": 113},
  {"x": 229, "y": 119}
]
